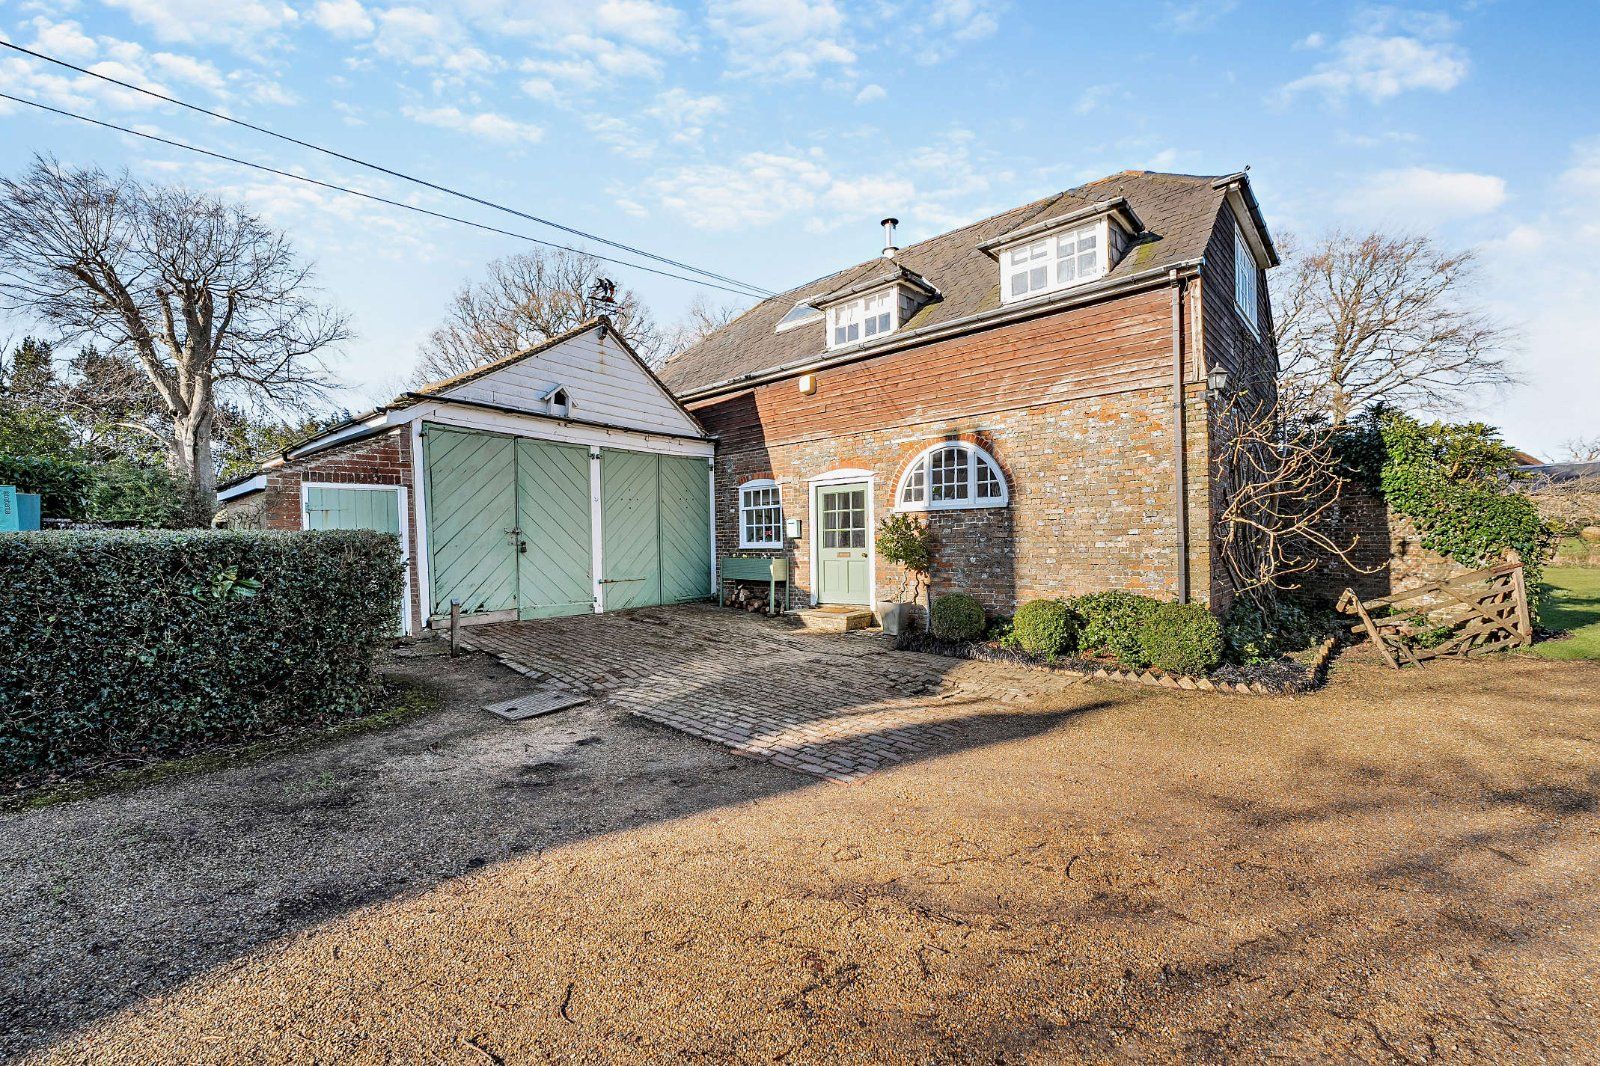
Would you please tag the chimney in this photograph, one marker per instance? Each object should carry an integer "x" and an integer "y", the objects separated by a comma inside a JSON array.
[{"x": 889, "y": 248}]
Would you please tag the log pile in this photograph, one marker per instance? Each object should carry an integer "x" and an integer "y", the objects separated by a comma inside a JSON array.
[{"x": 746, "y": 596}]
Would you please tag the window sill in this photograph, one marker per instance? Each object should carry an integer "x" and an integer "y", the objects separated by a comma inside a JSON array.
[
  {"x": 964, "y": 505},
  {"x": 761, "y": 547}
]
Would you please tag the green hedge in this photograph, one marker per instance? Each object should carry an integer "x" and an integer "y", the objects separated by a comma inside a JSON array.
[
  {"x": 147, "y": 643},
  {"x": 1112, "y": 622}
]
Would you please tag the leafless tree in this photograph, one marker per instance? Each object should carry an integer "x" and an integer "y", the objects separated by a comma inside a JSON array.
[
  {"x": 1581, "y": 450},
  {"x": 1279, "y": 484},
  {"x": 522, "y": 300},
  {"x": 211, "y": 302},
  {"x": 1363, "y": 319},
  {"x": 700, "y": 319}
]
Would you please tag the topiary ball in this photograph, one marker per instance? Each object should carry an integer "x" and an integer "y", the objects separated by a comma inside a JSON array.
[
  {"x": 957, "y": 616},
  {"x": 1111, "y": 623},
  {"x": 1046, "y": 627},
  {"x": 1181, "y": 638}
]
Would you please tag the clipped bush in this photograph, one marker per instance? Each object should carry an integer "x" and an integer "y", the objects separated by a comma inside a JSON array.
[
  {"x": 1045, "y": 627},
  {"x": 1252, "y": 635},
  {"x": 151, "y": 643},
  {"x": 957, "y": 616},
  {"x": 1111, "y": 624},
  {"x": 1181, "y": 638}
]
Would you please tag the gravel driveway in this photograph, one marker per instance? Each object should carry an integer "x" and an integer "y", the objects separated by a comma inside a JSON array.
[{"x": 1402, "y": 867}]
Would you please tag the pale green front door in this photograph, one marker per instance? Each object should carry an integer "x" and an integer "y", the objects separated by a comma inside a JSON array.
[
  {"x": 844, "y": 567},
  {"x": 375, "y": 507},
  {"x": 554, "y": 562}
]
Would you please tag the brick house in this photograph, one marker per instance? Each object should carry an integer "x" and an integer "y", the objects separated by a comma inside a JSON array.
[{"x": 1033, "y": 385}]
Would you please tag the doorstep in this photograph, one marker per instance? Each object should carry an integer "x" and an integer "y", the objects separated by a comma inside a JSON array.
[{"x": 835, "y": 618}]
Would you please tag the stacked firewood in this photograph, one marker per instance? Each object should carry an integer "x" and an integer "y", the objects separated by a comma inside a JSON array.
[{"x": 746, "y": 597}]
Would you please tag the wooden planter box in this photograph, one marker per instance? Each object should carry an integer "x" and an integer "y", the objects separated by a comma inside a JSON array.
[{"x": 769, "y": 568}]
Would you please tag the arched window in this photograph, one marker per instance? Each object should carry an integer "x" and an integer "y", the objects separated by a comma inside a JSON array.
[
  {"x": 950, "y": 475},
  {"x": 760, "y": 515}
]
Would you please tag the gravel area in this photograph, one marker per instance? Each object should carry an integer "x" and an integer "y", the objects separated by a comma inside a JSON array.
[{"x": 1399, "y": 867}]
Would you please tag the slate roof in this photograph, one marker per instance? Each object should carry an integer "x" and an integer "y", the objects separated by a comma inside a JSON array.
[
  {"x": 1178, "y": 211},
  {"x": 1562, "y": 473}
]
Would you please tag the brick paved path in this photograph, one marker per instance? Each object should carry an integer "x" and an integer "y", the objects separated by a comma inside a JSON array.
[{"x": 835, "y": 705}]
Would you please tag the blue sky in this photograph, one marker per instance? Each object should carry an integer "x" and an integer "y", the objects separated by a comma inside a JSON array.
[{"x": 765, "y": 138}]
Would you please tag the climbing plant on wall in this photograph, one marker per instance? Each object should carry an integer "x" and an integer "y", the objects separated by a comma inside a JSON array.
[{"x": 1455, "y": 481}]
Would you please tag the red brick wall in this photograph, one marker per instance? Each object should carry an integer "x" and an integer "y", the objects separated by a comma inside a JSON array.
[{"x": 1076, "y": 407}]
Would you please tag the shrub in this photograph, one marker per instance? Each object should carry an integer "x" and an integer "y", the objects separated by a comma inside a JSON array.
[
  {"x": 148, "y": 496},
  {"x": 62, "y": 484},
  {"x": 1181, "y": 638},
  {"x": 117, "y": 643},
  {"x": 957, "y": 617},
  {"x": 1252, "y": 635},
  {"x": 1112, "y": 621},
  {"x": 1045, "y": 627}
]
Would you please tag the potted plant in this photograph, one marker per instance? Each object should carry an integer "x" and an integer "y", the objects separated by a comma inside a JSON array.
[{"x": 907, "y": 543}]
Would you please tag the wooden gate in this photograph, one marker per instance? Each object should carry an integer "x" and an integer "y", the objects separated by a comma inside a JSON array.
[{"x": 1486, "y": 610}]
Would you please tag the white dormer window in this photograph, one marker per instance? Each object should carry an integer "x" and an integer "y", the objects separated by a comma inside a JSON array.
[
  {"x": 861, "y": 319},
  {"x": 1245, "y": 275},
  {"x": 1056, "y": 261}
]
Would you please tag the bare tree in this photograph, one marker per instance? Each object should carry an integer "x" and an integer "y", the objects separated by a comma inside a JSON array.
[
  {"x": 700, "y": 319},
  {"x": 1280, "y": 483},
  {"x": 522, "y": 300},
  {"x": 1581, "y": 450},
  {"x": 1380, "y": 319},
  {"x": 207, "y": 298}
]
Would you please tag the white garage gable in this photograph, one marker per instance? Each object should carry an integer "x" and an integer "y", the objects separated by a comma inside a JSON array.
[{"x": 603, "y": 380}]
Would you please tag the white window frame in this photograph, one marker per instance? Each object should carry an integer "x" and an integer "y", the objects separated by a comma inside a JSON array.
[
  {"x": 1045, "y": 249},
  {"x": 856, "y": 313},
  {"x": 403, "y": 502},
  {"x": 1246, "y": 282},
  {"x": 786, "y": 323},
  {"x": 744, "y": 507},
  {"x": 974, "y": 456}
]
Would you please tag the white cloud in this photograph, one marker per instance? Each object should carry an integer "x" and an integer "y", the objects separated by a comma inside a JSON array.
[
  {"x": 620, "y": 136},
  {"x": 484, "y": 124},
  {"x": 343, "y": 18},
  {"x": 686, "y": 114},
  {"x": 781, "y": 39},
  {"x": 1195, "y": 15},
  {"x": 1394, "y": 52},
  {"x": 1092, "y": 98},
  {"x": 934, "y": 29},
  {"x": 870, "y": 94},
  {"x": 1416, "y": 195},
  {"x": 246, "y": 25}
]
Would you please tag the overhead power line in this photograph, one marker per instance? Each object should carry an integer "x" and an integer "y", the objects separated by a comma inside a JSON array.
[
  {"x": 630, "y": 249},
  {"x": 365, "y": 195}
]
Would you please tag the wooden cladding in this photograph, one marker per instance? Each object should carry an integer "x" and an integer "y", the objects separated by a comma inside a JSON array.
[{"x": 1117, "y": 346}]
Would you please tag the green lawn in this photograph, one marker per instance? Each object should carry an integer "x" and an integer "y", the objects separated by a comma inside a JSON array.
[{"x": 1572, "y": 602}]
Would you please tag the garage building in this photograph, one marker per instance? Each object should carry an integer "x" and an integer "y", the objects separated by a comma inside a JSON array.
[{"x": 562, "y": 480}]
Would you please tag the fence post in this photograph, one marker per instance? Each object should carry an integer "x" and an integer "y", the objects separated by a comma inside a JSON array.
[
  {"x": 455, "y": 626},
  {"x": 1519, "y": 584}
]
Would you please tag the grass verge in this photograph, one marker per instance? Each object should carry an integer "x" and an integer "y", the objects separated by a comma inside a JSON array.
[
  {"x": 1571, "y": 602},
  {"x": 404, "y": 702}
]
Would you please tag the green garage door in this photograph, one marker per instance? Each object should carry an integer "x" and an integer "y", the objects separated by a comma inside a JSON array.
[
  {"x": 655, "y": 513},
  {"x": 555, "y": 571},
  {"x": 472, "y": 507}
]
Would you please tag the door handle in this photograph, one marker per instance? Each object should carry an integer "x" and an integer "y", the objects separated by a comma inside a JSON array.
[{"x": 522, "y": 547}]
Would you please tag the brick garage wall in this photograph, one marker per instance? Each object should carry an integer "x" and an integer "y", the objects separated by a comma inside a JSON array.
[
  {"x": 383, "y": 460},
  {"x": 1385, "y": 549}
]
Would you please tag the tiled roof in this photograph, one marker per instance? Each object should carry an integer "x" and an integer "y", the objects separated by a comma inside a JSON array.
[{"x": 1178, "y": 212}]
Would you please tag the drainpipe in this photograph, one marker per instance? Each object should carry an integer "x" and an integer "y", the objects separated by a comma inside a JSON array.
[{"x": 1180, "y": 505}]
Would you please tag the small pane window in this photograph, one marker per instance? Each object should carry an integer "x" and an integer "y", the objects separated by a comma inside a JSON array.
[
  {"x": 1245, "y": 294},
  {"x": 760, "y": 516},
  {"x": 863, "y": 319},
  {"x": 1054, "y": 262},
  {"x": 952, "y": 476}
]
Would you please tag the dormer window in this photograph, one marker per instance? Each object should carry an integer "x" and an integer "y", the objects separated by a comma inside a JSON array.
[
  {"x": 1053, "y": 262},
  {"x": 861, "y": 319}
]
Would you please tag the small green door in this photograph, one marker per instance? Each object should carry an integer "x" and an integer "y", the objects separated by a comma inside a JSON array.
[
  {"x": 630, "y": 507},
  {"x": 844, "y": 569},
  {"x": 472, "y": 520},
  {"x": 375, "y": 507},
  {"x": 685, "y": 529},
  {"x": 555, "y": 554}
]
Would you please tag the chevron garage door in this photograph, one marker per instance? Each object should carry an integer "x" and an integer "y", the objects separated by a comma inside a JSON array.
[
  {"x": 685, "y": 529},
  {"x": 656, "y": 529},
  {"x": 555, "y": 568},
  {"x": 472, "y": 507}
]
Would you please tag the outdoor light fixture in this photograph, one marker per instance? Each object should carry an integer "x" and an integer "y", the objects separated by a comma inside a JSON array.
[{"x": 1217, "y": 380}]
